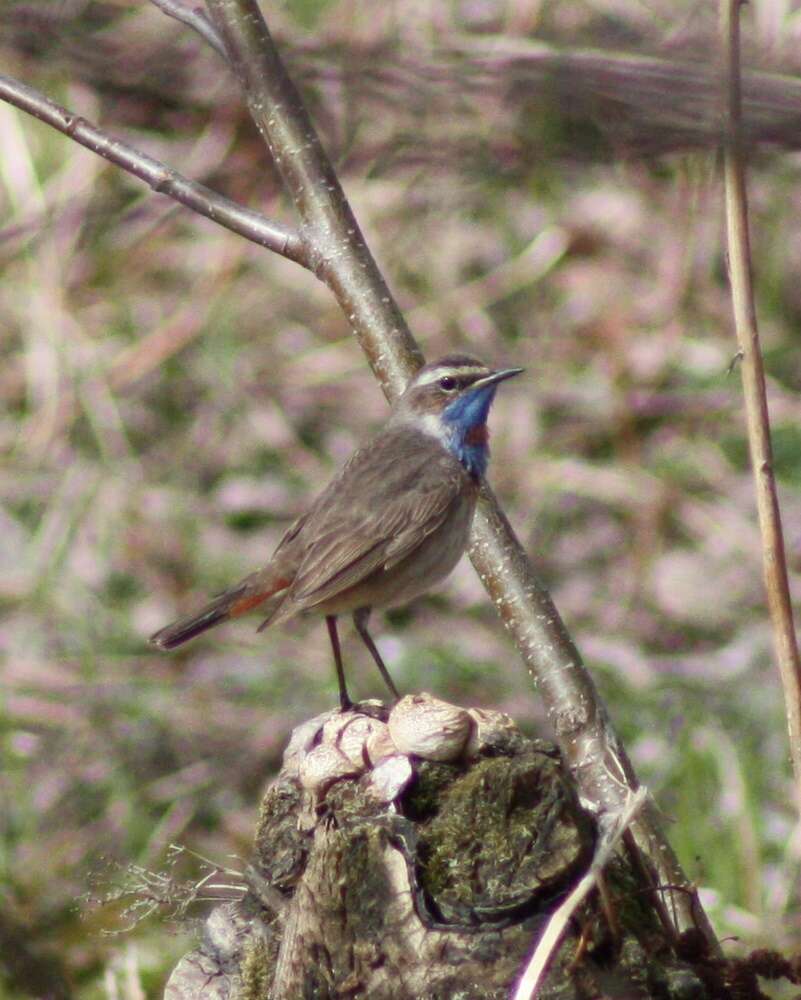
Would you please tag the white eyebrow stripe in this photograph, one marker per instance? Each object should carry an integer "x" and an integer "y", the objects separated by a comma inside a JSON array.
[{"x": 437, "y": 373}]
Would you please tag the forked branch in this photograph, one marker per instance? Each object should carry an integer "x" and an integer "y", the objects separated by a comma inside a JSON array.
[{"x": 194, "y": 16}]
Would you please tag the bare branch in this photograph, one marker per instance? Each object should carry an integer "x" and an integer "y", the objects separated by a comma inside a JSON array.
[
  {"x": 195, "y": 17},
  {"x": 163, "y": 179},
  {"x": 579, "y": 719},
  {"x": 343, "y": 259},
  {"x": 753, "y": 376}
]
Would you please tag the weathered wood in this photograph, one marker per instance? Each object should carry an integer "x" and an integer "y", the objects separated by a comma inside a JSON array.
[{"x": 439, "y": 892}]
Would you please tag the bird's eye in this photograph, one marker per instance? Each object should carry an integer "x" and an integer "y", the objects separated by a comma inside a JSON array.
[{"x": 447, "y": 383}]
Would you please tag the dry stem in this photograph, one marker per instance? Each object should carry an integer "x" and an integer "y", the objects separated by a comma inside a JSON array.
[{"x": 753, "y": 376}]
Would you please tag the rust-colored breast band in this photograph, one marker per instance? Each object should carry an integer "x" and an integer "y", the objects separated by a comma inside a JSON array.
[{"x": 478, "y": 435}]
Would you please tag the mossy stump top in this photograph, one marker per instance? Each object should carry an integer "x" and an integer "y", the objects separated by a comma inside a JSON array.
[{"x": 392, "y": 865}]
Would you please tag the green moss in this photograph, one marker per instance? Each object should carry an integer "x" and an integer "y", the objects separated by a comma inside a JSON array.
[
  {"x": 424, "y": 798},
  {"x": 507, "y": 833},
  {"x": 367, "y": 891},
  {"x": 256, "y": 971}
]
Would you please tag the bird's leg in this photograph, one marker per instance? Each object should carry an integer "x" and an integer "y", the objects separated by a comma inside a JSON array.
[
  {"x": 344, "y": 699},
  {"x": 360, "y": 619}
]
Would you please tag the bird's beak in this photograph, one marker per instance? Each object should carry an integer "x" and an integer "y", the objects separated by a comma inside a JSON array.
[{"x": 496, "y": 377}]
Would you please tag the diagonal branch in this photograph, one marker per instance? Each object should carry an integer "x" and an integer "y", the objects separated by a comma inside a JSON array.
[
  {"x": 753, "y": 376},
  {"x": 579, "y": 719},
  {"x": 163, "y": 179},
  {"x": 342, "y": 257}
]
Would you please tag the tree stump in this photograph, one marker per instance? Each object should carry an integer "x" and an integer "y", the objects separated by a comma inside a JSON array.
[{"x": 417, "y": 856}]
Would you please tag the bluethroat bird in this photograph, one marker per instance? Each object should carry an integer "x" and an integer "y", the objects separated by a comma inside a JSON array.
[{"x": 391, "y": 524}]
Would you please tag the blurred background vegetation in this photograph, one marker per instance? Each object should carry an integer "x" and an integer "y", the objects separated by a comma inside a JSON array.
[{"x": 172, "y": 396}]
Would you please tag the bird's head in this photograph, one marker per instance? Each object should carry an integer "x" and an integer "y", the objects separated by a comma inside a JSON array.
[{"x": 450, "y": 399}]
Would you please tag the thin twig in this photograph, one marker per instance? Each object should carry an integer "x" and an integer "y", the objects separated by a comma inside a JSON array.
[
  {"x": 196, "y": 18},
  {"x": 161, "y": 178},
  {"x": 557, "y": 922},
  {"x": 579, "y": 719},
  {"x": 753, "y": 376}
]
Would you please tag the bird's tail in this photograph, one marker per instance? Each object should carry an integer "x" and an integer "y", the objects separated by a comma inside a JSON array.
[{"x": 234, "y": 602}]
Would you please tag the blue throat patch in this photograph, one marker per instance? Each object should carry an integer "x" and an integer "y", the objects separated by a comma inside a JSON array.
[{"x": 465, "y": 420}]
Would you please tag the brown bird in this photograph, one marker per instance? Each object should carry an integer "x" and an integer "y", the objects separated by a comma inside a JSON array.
[{"x": 390, "y": 525}]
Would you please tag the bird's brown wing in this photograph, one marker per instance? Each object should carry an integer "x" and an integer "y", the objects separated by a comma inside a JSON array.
[{"x": 387, "y": 500}]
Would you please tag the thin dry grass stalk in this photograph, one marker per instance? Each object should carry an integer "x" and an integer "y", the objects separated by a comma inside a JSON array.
[
  {"x": 551, "y": 937},
  {"x": 753, "y": 376}
]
